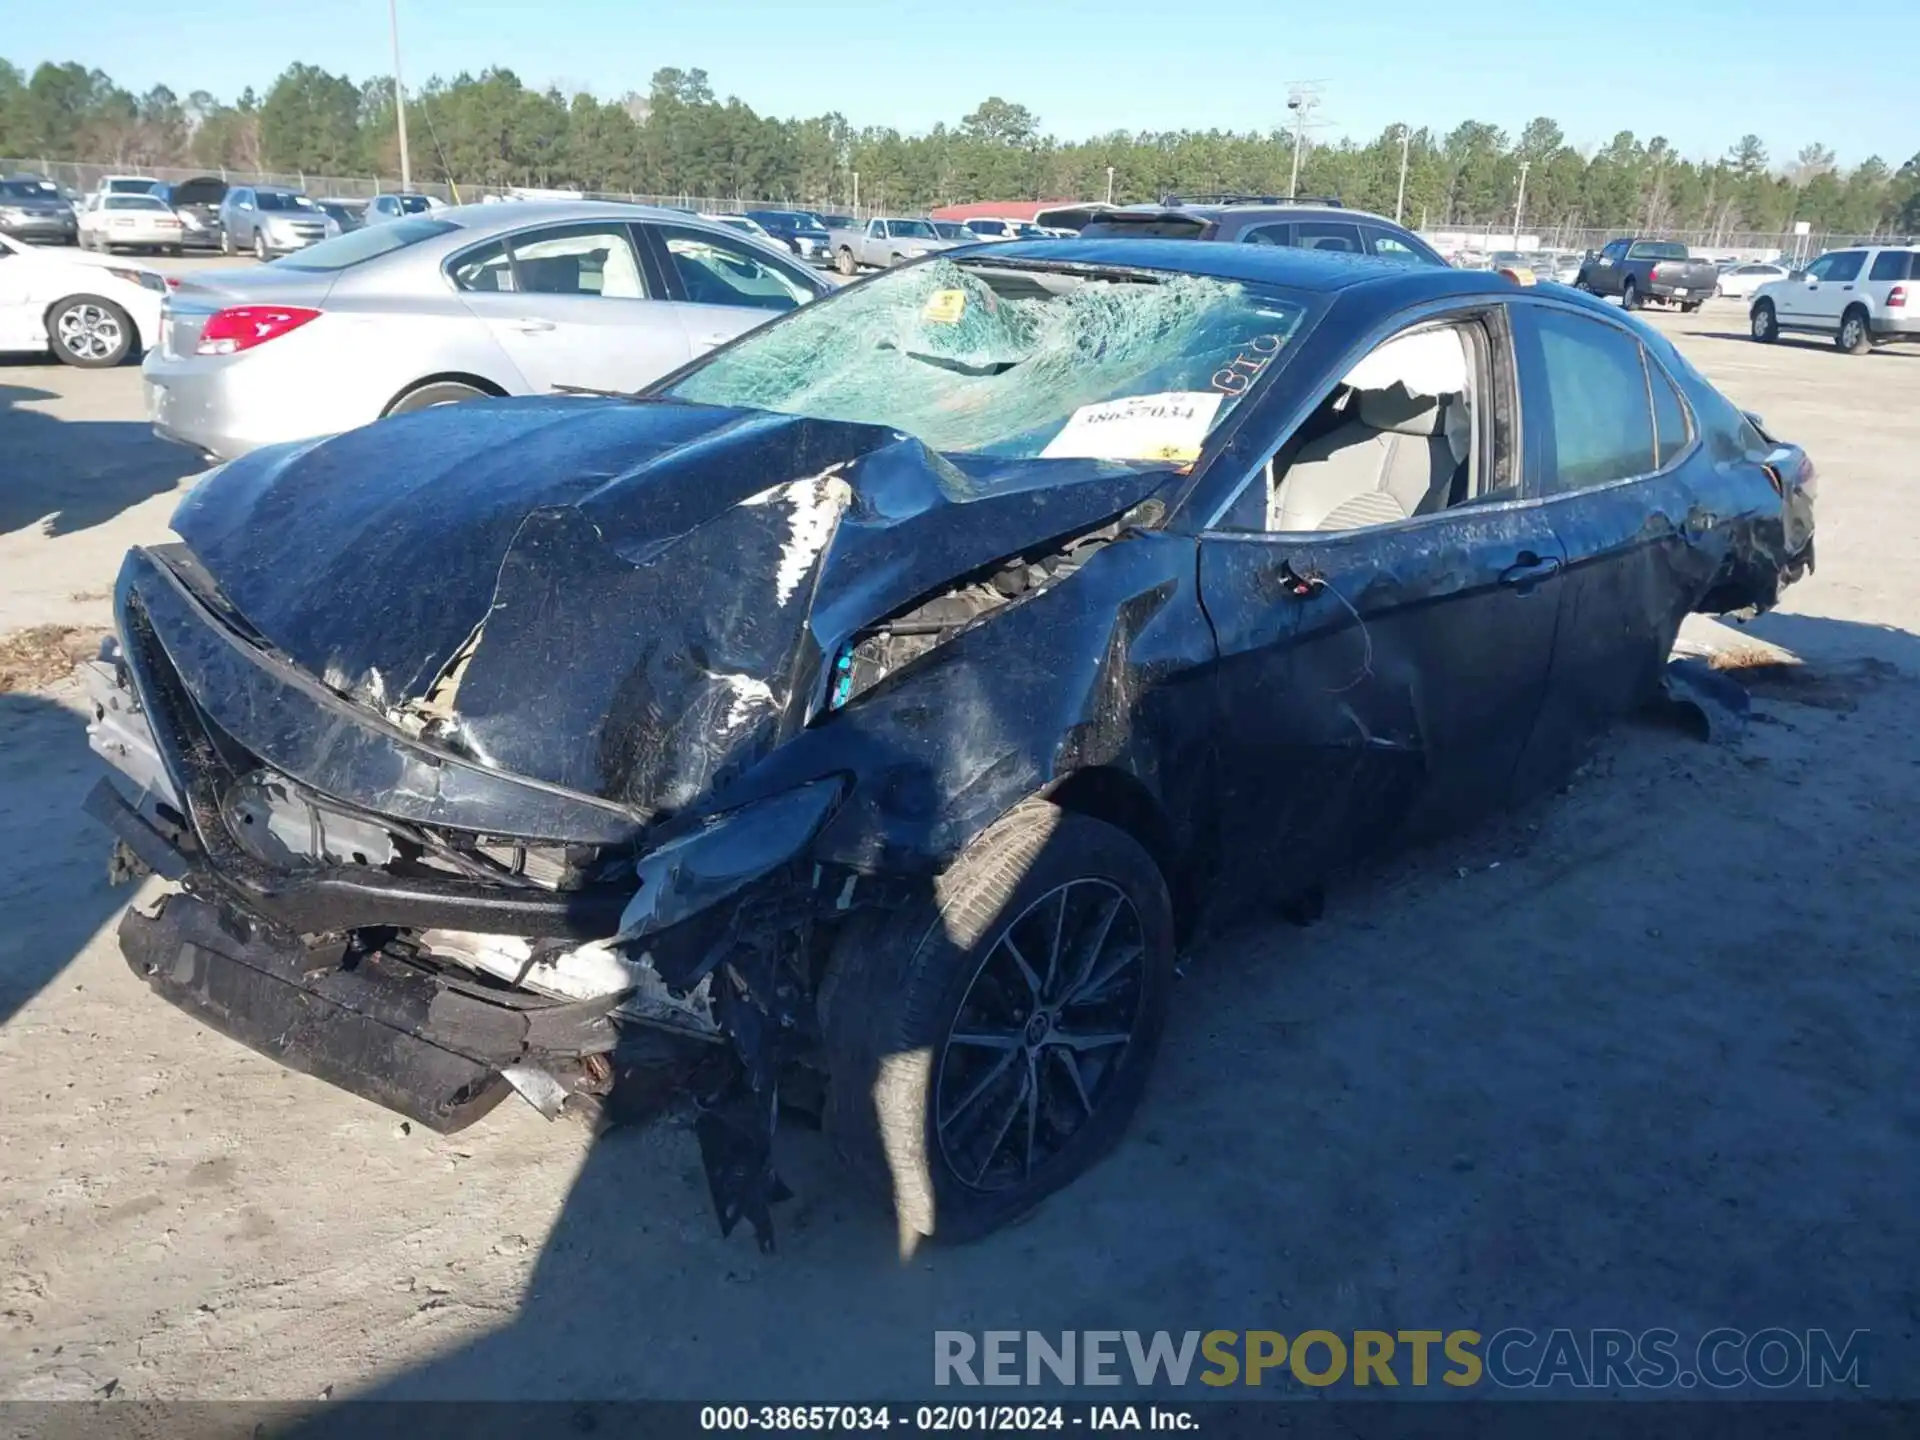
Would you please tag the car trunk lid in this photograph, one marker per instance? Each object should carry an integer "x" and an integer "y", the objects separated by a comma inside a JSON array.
[{"x": 196, "y": 297}]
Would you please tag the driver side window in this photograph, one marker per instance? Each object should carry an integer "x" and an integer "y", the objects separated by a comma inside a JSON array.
[
  {"x": 1408, "y": 431},
  {"x": 1820, "y": 269},
  {"x": 716, "y": 271}
]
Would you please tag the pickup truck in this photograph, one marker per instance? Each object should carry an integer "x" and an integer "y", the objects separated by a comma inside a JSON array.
[
  {"x": 1642, "y": 270},
  {"x": 882, "y": 243}
]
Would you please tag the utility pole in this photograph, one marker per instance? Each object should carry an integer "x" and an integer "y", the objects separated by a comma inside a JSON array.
[
  {"x": 399, "y": 94},
  {"x": 856, "y": 194},
  {"x": 1302, "y": 97},
  {"x": 1400, "y": 197},
  {"x": 1109, "y": 184},
  {"x": 1520, "y": 204}
]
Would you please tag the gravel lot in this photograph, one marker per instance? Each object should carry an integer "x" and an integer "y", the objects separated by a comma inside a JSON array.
[{"x": 1640, "y": 1055}]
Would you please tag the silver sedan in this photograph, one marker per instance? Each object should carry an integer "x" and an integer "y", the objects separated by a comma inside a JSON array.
[{"x": 463, "y": 303}]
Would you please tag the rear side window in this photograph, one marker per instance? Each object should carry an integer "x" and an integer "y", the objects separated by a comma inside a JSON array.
[
  {"x": 1327, "y": 235},
  {"x": 1669, "y": 417},
  {"x": 1148, "y": 227},
  {"x": 1892, "y": 265},
  {"x": 1599, "y": 420},
  {"x": 1268, "y": 235}
]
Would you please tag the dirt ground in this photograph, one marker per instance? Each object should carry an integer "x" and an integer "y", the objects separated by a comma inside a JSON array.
[{"x": 1640, "y": 1055}]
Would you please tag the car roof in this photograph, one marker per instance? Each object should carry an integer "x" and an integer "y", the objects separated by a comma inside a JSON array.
[
  {"x": 1218, "y": 211},
  {"x": 1284, "y": 265}
]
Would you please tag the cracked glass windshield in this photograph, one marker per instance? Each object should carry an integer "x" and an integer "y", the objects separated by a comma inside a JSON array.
[{"x": 995, "y": 359}]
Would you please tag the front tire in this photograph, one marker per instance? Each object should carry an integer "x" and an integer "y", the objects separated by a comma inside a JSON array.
[
  {"x": 1763, "y": 324},
  {"x": 989, "y": 1043},
  {"x": 226, "y": 242},
  {"x": 90, "y": 333},
  {"x": 845, "y": 263},
  {"x": 1855, "y": 336}
]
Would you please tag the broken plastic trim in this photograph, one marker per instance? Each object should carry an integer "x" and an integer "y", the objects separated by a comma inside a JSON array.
[
  {"x": 697, "y": 871},
  {"x": 893, "y": 644}
]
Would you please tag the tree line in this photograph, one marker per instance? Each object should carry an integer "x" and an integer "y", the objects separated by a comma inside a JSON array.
[{"x": 678, "y": 138}]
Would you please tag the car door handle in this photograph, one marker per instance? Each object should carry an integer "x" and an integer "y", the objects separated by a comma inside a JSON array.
[
  {"x": 532, "y": 327},
  {"x": 1846, "y": 287},
  {"x": 1530, "y": 569}
]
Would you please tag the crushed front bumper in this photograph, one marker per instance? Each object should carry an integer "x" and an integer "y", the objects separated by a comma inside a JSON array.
[{"x": 393, "y": 1036}]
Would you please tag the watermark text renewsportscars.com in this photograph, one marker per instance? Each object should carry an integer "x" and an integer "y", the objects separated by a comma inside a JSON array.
[{"x": 1774, "y": 1358}]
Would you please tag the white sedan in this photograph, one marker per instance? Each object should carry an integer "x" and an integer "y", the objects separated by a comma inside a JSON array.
[
  {"x": 89, "y": 310},
  {"x": 135, "y": 222},
  {"x": 1740, "y": 281}
]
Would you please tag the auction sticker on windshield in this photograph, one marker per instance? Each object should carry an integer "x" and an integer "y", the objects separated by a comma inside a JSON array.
[
  {"x": 1169, "y": 426},
  {"x": 945, "y": 307}
]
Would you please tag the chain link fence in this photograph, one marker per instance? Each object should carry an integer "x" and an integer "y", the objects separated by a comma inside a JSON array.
[
  {"x": 84, "y": 177},
  {"x": 1743, "y": 244}
]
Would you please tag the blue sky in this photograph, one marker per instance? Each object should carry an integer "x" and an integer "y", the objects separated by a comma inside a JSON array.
[{"x": 1716, "y": 70}]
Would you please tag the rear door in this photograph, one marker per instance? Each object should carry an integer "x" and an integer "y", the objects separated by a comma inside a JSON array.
[
  {"x": 718, "y": 287},
  {"x": 1380, "y": 682},
  {"x": 573, "y": 305},
  {"x": 1608, "y": 451}
]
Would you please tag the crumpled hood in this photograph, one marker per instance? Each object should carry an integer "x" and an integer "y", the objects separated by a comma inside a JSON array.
[{"x": 630, "y": 599}]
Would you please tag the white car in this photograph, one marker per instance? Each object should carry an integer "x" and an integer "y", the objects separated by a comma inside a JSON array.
[
  {"x": 90, "y": 311},
  {"x": 744, "y": 224},
  {"x": 125, "y": 185},
  {"x": 1738, "y": 282},
  {"x": 135, "y": 222},
  {"x": 1862, "y": 297}
]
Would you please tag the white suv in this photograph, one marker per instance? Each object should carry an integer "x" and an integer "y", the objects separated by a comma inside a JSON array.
[{"x": 1862, "y": 298}]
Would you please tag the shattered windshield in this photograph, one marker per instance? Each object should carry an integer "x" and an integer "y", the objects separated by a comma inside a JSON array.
[{"x": 1016, "y": 361}]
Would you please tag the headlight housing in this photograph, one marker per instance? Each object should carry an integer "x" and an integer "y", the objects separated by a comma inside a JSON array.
[{"x": 698, "y": 870}]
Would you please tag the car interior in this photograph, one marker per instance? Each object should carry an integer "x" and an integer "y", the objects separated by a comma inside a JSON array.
[{"x": 1400, "y": 436}]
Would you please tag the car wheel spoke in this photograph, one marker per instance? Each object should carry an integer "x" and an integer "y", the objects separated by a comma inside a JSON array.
[
  {"x": 1068, "y": 1062},
  {"x": 985, "y": 1083},
  {"x": 1020, "y": 962},
  {"x": 1006, "y": 1126},
  {"x": 1074, "y": 1041},
  {"x": 1095, "y": 944},
  {"x": 986, "y": 1039}
]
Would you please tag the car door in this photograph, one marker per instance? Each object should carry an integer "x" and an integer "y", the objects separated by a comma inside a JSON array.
[
  {"x": 573, "y": 304},
  {"x": 240, "y": 217},
  {"x": 1381, "y": 681},
  {"x": 20, "y": 321},
  {"x": 1799, "y": 301},
  {"x": 1607, "y": 274},
  {"x": 1609, "y": 441},
  {"x": 1827, "y": 298},
  {"x": 718, "y": 287}
]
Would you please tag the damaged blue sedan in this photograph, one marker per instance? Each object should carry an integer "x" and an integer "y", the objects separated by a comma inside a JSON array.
[{"x": 857, "y": 721}]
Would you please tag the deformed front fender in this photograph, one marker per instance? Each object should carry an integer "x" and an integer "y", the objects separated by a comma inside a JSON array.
[{"x": 1109, "y": 670}]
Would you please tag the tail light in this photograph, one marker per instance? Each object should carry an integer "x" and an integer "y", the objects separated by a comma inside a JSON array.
[
  {"x": 1897, "y": 297},
  {"x": 241, "y": 327}
]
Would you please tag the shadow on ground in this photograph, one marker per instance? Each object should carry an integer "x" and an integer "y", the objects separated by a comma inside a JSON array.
[
  {"x": 78, "y": 473},
  {"x": 56, "y": 857},
  {"x": 1652, "y": 1070}
]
